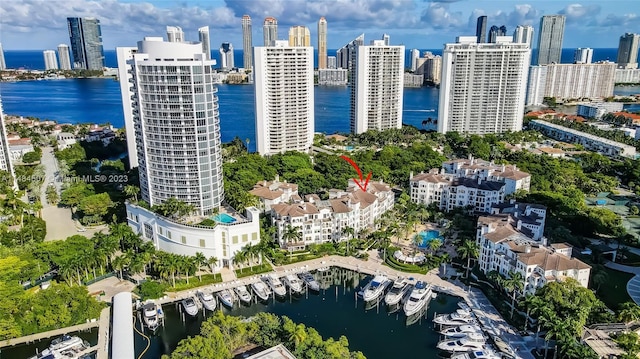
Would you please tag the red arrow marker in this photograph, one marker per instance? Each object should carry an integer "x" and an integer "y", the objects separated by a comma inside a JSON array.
[{"x": 363, "y": 183}]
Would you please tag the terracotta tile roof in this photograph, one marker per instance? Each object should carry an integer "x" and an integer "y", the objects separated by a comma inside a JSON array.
[
  {"x": 339, "y": 206},
  {"x": 266, "y": 193},
  {"x": 430, "y": 177},
  {"x": 295, "y": 210},
  {"x": 551, "y": 150}
]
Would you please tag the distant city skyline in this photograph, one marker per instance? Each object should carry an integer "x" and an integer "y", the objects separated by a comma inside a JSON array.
[{"x": 39, "y": 25}]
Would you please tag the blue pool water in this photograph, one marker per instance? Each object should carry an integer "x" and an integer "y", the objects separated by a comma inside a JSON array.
[
  {"x": 223, "y": 218},
  {"x": 428, "y": 236}
]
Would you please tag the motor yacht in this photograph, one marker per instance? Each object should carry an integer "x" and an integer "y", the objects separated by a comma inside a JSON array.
[
  {"x": 374, "y": 289},
  {"x": 66, "y": 347},
  {"x": 459, "y": 317},
  {"x": 461, "y": 331},
  {"x": 478, "y": 354},
  {"x": 399, "y": 289},
  {"x": 243, "y": 294},
  {"x": 276, "y": 285},
  {"x": 309, "y": 280},
  {"x": 226, "y": 297},
  {"x": 190, "y": 306},
  {"x": 293, "y": 282},
  {"x": 150, "y": 316},
  {"x": 208, "y": 300},
  {"x": 420, "y": 295},
  {"x": 469, "y": 343},
  {"x": 261, "y": 290}
]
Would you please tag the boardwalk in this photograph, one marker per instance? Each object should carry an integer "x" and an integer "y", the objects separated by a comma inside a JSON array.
[
  {"x": 50, "y": 334},
  {"x": 103, "y": 334}
]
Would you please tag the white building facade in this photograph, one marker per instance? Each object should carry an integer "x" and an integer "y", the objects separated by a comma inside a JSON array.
[
  {"x": 50, "y": 60},
  {"x": 627, "y": 76},
  {"x": 379, "y": 82},
  {"x": 5, "y": 157},
  {"x": 64, "y": 57},
  {"x": 583, "y": 55},
  {"x": 168, "y": 87},
  {"x": 203, "y": 36},
  {"x": 284, "y": 98},
  {"x": 483, "y": 86},
  {"x": 523, "y": 34},
  {"x": 598, "y": 109},
  {"x": 333, "y": 77}
]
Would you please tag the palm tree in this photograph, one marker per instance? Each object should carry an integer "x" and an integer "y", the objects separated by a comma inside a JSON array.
[
  {"x": 238, "y": 259},
  {"x": 513, "y": 283},
  {"x": 468, "y": 249},
  {"x": 298, "y": 335},
  {"x": 292, "y": 235},
  {"x": 629, "y": 312},
  {"x": 349, "y": 232},
  {"x": 532, "y": 304},
  {"x": 212, "y": 262},
  {"x": 199, "y": 260},
  {"x": 132, "y": 191},
  {"x": 119, "y": 263},
  {"x": 435, "y": 244}
]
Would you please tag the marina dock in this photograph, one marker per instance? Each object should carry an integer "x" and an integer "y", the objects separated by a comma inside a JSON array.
[{"x": 50, "y": 334}]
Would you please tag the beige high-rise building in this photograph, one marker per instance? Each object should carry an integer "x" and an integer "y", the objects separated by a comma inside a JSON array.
[
  {"x": 430, "y": 66},
  {"x": 247, "y": 43},
  {"x": 299, "y": 36},
  {"x": 322, "y": 43},
  {"x": 483, "y": 86},
  {"x": 270, "y": 30}
]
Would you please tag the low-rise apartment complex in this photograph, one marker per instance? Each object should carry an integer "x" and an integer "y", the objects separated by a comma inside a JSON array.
[
  {"x": 320, "y": 221},
  {"x": 468, "y": 182},
  {"x": 590, "y": 142},
  {"x": 510, "y": 240},
  {"x": 275, "y": 192}
]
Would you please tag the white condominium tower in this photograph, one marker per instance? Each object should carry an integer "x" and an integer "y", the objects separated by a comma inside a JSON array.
[
  {"x": 270, "y": 30},
  {"x": 284, "y": 98},
  {"x": 483, "y": 86},
  {"x": 203, "y": 35},
  {"x": 50, "y": 60},
  {"x": 322, "y": 43},
  {"x": 299, "y": 36},
  {"x": 5, "y": 156},
  {"x": 226, "y": 56},
  {"x": 628, "y": 51},
  {"x": 3, "y": 64},
  {"x": 550, "y": 39},
  {"x": 583, "y": 55},
  {"x": 171, "y": 106},
  {"x": 379, "y": 82},
  {"x": 175, "y": 34},
  {"x": 247, "y": 43},
  {"x": 65, "y": 58},
  {"x": 523, "y": 34}
]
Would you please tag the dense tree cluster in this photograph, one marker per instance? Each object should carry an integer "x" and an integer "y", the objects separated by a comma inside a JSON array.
[{"x": 221, "y": 335}]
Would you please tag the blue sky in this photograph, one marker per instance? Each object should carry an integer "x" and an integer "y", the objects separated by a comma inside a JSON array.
[{"x": 41, "y": 24}]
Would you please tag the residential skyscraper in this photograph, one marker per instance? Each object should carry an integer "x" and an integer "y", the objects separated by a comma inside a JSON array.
[
  {"x": 345, "y": 54},
  {"x": 481, "y": 29},
  {"x": 377, "y": 102},
  {"x": 430, "y": 66},
  {"x": 628, "y": 51},
  {"x": 86, "y": 43},
  {"x": 299, "y": 36},
  {"x": 177, "y": 146},
  {"x": 270, "y": 30},
  {"x": 583, "y": 55},
  {"x": 483, "y": 86},
  {"x": 331, "y": 62},
  {"x": 203, "y": 35},
  {"x": 50, "y": 60},
  {"x": 175, "y": 34},
  {"x": 386, "y": 39},
  {"x": 322, "y": 43},
  {"x": 63, "y": 56},
  {"x": 284, "y": 98},
  {"x": 5, "y": 156},
  {"x": 3, "y": 64},
  {"x": 247, "y": 43},
  {"x": 226, "y": 56},
  {"x": 550, "y": 39},
  {"x": 523, "y": 35},
  {"x": 415, "y": 55},
  {"x": 496, "y": 31}
]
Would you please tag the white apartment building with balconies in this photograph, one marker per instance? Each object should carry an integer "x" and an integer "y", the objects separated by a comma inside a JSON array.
[
  {"x": 379, "y": 87},
  {"x": 284, "y": 98},
  {"x": 467, "y": 182},
  {"x": 483, "y": 86},
  {"x": 320, "y": 221},
  {"x": 274, "y": 192}
]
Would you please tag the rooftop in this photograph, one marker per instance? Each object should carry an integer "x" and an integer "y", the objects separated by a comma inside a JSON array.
[{"x": 277, "y": 352}]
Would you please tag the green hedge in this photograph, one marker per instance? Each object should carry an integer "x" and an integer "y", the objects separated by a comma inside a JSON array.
[
  {"x": 246, "y": 272},
  {"x": 404, "y": 267}
]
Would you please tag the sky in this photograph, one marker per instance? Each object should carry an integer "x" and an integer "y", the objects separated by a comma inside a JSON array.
[{"x": 423, "y": 24}]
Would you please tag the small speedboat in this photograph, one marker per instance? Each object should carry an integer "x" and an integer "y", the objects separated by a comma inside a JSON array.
[
  {"x": 461, "y": 331},
  {"x": 243, "y": 294},
  {"x": 399, "y": 289},
  {"x": 478, "y": 354},
  {"x": 208, "y": 300},
  {"x": 293, "y": 282},
  {"x": 276, "y": 285},
  {"x": 226, "y": 297},
  {"x": 465, "y": 344},
  {"x": 459, "y": 317},
  {"x": 309, "y": 280},
  {"x": 190, "y": 306},
  {"x": 63, "y": 347},
  {"x": 150, "y": 316},
  {"x": 420, "y": 295},
  {"x": 375, "y": 288},
  {"x": 261, "y": 290}
]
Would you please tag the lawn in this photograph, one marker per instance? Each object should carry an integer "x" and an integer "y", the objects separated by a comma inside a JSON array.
[
  {"x": 613, "y": 291},
  {"x": 260, "y": 268},
  {"x": 194, "y": 282}
]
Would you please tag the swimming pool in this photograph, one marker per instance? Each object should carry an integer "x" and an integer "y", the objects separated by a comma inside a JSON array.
[
  {"x": 428, "y": 236},
  {"x": 223, "y": 218}
]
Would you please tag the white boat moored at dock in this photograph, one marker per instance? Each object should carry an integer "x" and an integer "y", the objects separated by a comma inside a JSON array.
[
  {"x": 478, "y": 354},
  {"x": 208, "y": 300},
  {"x": 465, "y": 344},
  {"x": 150, "y": 315},
  {"x": 309, "y": 280},
  {"x": 399, "y": 289},
  {"x": 261, "y": 290},
  {"x": 226, "y": 297},
  {"x": 276, "y": 285},
  {"x": 293, "y": 282},
  {"x": 66, "y": 347},
  {"x": 461, "y": 331},
  {"x": 243, "y": 294},
  {"x": 420, "y": 296},
  {"x": 190, "y": 306},
  {"x": 459, "y": 317},
  {"x": 374, "y": 289}
]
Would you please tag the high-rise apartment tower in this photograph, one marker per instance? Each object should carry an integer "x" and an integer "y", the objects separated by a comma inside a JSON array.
[
  {"x": 550, "y": 39},
  {"x": 247, "y": 43},
  {"x": 322, "y": 43},
  {"x": 270, "y": 30},
  {"x": 86, "y": 43}
]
